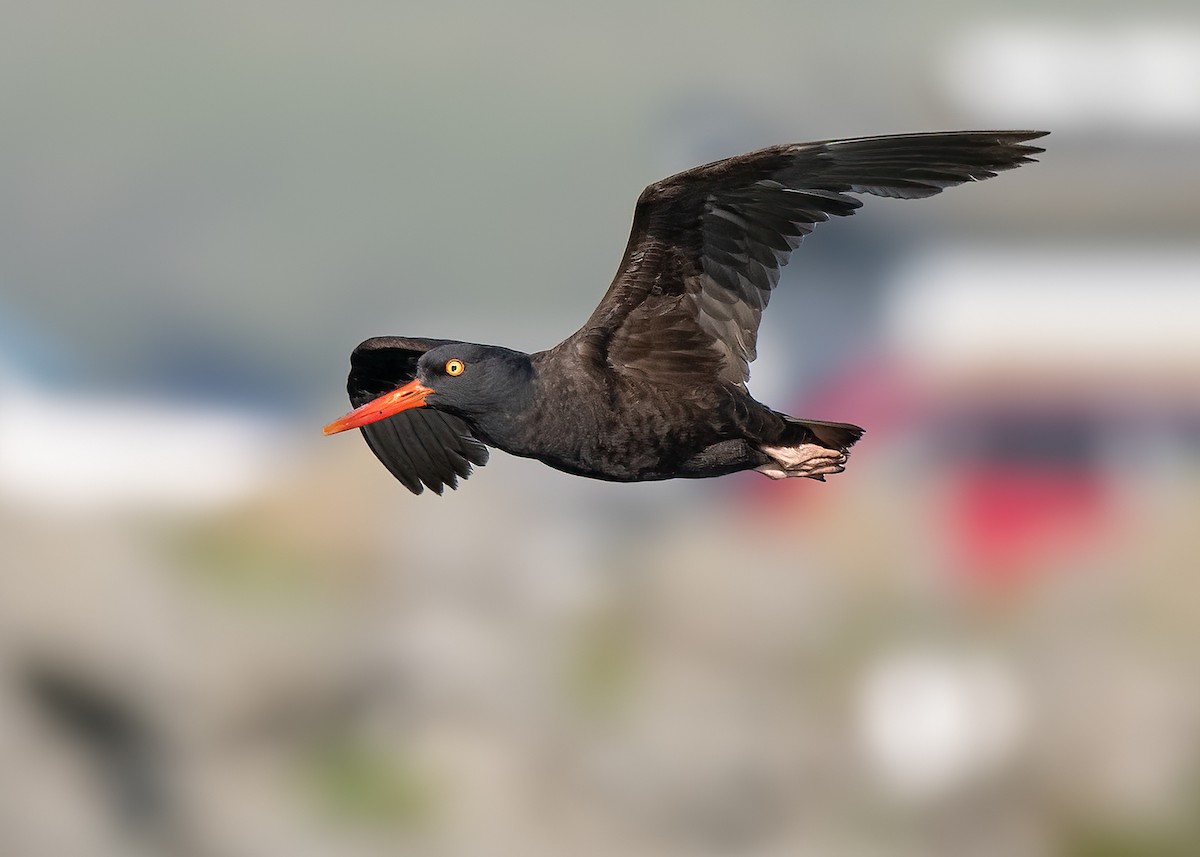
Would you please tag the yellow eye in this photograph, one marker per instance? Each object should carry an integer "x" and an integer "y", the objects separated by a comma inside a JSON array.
[{"x": 455, "y": 367}]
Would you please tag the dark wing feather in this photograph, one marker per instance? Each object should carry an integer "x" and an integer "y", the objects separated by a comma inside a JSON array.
[
  {"x": 707, "y": 244},
  {"x": 419, "y": 446}
]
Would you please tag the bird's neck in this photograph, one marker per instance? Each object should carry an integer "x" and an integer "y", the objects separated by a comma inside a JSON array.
[
  {"x": 506, "y": 420},
  {"x": 508, "y": 425},
  {"x": 555, "y": 411}
]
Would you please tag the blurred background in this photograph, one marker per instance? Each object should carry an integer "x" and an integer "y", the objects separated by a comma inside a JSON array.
[{"x": 222, "y": 634}]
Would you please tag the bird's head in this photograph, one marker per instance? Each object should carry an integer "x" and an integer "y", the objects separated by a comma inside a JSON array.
[{"x": 467, "y": 380}]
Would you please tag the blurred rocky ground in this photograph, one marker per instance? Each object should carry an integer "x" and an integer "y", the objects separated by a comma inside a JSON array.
[{"x": 224, "y": 636}]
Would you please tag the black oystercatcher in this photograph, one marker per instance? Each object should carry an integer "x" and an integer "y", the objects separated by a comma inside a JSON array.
[{"x": 653, "y": 386}]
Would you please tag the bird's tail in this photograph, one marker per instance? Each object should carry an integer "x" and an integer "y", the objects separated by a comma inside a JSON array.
[{"x": 839, "y": 436}]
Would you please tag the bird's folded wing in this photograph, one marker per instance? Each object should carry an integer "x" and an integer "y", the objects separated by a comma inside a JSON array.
[
  {"x": 707, "y": 244},
  {"x": 420, "y": 446}
]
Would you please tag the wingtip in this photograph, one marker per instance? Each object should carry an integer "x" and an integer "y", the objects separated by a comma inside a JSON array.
[{"x": 1025, "y": 136}]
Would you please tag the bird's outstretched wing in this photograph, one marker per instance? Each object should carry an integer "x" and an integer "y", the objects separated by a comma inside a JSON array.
[
  {"x": 707, "y": 244},
  {"x": 419, "y": 445}
]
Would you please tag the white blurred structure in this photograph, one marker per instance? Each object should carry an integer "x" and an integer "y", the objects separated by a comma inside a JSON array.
[
  {"x": 932, "y": 722},
  {"x": 1119, "y": 316},
  {"x": 65, "y": 449},
  {"x": 1143, "y": 76}
]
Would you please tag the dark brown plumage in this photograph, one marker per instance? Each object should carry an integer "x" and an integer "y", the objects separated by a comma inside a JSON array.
[{"x": 653, "y": 386}]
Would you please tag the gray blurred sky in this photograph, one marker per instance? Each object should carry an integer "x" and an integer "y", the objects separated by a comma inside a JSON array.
[{"x": 235, "y": 193}]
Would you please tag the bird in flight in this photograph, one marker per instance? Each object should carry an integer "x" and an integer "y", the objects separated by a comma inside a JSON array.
[{"x": 653, "y": 385}]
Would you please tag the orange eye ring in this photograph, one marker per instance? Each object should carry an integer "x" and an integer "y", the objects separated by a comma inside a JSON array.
[{"x": 455, "y": 367}]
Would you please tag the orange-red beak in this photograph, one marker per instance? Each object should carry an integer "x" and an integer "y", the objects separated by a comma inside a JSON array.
[{"x": 411, "y": 395}]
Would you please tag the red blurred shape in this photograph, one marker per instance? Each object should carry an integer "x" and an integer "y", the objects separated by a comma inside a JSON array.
[{"x": 1009, "y": 524}]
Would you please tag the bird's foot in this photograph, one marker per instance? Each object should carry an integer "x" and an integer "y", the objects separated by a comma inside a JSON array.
[{"x": 807, "y": 459}]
